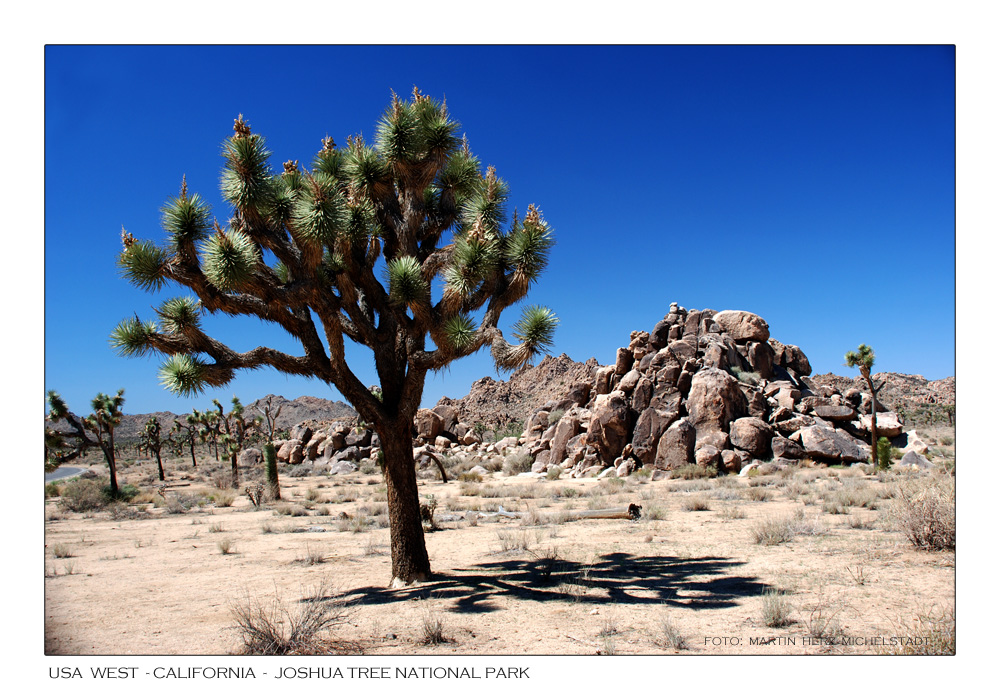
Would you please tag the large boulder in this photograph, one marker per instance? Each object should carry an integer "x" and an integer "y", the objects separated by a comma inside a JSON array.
[
  {"x": 676, "y": 445},
  {"x": 783, "y": 448},
  {"x": 567, "y": 427},
  {"x": 249, "y": 457},
  {"x": 428, "y": 424},
  {"x": 752, "y": 435},
  {"x": 833, "y": 446},
  {"x": 648, "y": 429},
  {"x": 715, "y": 401},
  {"x": 913, "y": 460},
  {"x": 449, "y": 417},
  {"x": 609, "y": 426},
  {"x": 835, "y": 413},
  {"x": 888, "y": 424},
  {"x": 743, "y": 326}
]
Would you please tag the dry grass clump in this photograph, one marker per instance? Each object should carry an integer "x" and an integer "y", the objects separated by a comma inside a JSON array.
[
  {"x": 926, "y": 515},
  {"x": 670, "y": 636},
  {"x": 772, "y": 531},
  {"x": 511, "y": 540},
  {"x": 931, "y": 634},
  {"x": 776, "y": 611},
  {"x": 271, "y": 628},
  {"x": 694, "y": 471},
  {"x": 758, "y": 493},
  {"x": 433, "y": 630},
  {"x": 695, "y": 503}
]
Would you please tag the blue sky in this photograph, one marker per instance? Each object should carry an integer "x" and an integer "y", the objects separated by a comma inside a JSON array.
[{"x": 812, "y": 185}]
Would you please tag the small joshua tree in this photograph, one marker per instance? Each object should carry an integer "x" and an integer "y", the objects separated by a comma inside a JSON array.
[
  {"x": 185, "y": 434},
  {"x": 864, "y": 359},
  {"x": 234, "y": 429},
  {"x": 151, "y": 440},
  {"x": 401, "y": 246},
  {"x": 270, "y": 418},
  {"x": 101, "y": 423}
]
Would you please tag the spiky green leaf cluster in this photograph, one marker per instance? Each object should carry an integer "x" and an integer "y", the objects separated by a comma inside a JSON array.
[
  {"x": 319, "y": 213},
  {"x": 142, "y": 263},
  {"x": 411, "y": 131},
  {"x": 460, "y": 330},
  {"x": 183, "y": 375},
  {"x": 406, "y": 282},
  {"x": 246, "y": 179},
  {"x": 365, "y": 169},
  {"x": 229, "y": 259},
  {"x": 473, "y": 261},
  {"x": 527, "y": 249},
  {"x": 130, "y": 338},
  {"x": 536, "y": 328},
  {"x": 179, "y": 314},
  {"x": 863, "y": 357},
  {"x": 460, "y": 174},
  {"x": 186, "y": 219}
]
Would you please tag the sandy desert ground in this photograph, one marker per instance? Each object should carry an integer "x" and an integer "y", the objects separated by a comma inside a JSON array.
[{"x": 689, "y": 577}]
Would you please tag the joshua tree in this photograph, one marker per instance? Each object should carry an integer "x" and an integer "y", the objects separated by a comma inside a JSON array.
[
  {"x": 151, "y": 440},
  {"x": 350, "y": 250},
  {"x": 208, "y": 425},
  {"x": 101, "y": 423},
  {"x": 234, "y": 429},
  {"x": 864, "y": 359},
  {"x": 270, "y": 419},
  {"x": 185, "y": 435}
]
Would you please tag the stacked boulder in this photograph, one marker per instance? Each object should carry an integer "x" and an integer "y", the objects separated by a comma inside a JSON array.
[
  {"x": 703, "y": 387},
  {"x": 340, "y": 446}
]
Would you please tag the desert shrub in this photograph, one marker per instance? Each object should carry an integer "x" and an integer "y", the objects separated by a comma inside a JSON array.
[
  {"x": 926, "y": 515},
  {"x": 935, "y": 630},
  {"x": 292, "y": 509},
  {"x": 51, "y": 489},
  {"x": 226, "y": 545},
  {"x": 470, "y": 477},
  {"x": 758, "y": 493},
  {"x": 654, "y": 511},
  {"x": 775, "y": 609},
  {"x": 270, "y": 628},
  {"x": 772, "y": 531},
  {"x": 556, "y": 415},
  {"x": 553, "y": 473},
  {"x": 433, "y": 630},
  {"x": 125, "y": 493},
  {"x": 82, "y": 495},
  {"x": 61, "y": 550},
  {"x": 670, "y": 636},
  {"x": 611, "y": 485},
  {"x": 119, "y": 510},
  {"x": 694, "y": 503},
  {"x": 223, "y": 498},
  {"x": 299, "y": 471},
  {"x": 694, "y": 471},
  {"x": 511, "y": 540},
  {"x": 180, "y": 502},
  {"x": 518, "y": 462}
]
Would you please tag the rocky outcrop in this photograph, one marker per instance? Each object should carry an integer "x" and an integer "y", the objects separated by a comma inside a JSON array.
[{"x": 705, "y": 387}]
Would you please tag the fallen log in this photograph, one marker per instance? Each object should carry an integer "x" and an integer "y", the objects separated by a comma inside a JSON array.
[{"x": 633, "y": 512}]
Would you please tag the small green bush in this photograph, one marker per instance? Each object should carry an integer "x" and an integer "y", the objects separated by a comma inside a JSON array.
[
  {"x": 884, "y": 452},
  {"x": 82, "y": 495},
  {"x": 126, "y": 492}
]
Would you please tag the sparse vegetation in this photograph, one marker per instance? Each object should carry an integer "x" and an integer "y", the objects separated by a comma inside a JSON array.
[
  {"x": 926, "y": 514},
  {"x": 271, "y": 628},
  {"x": 775, "y": 609}
]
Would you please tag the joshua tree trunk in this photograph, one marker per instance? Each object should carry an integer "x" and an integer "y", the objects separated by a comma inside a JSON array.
[
  {"x": 159, "y": 466},
  {"x": 194, "y": 462},
  {"x": 871, "y": 388},
  {"x": 109, "y": 457},
  {"x": 409, "y": 553},
  {"x": 271, "y": 462},
  {"x": 235, "y": 468}
]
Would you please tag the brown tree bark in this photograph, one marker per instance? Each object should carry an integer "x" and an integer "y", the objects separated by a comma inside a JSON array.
[
  {"x": 871, "y": 387},
  {"x": 409, "y": 553}
]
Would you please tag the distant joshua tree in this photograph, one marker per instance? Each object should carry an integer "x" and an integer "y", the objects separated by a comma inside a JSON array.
[
  {"x": 185, "y": 434},
  {"x": 234, "y": 429},
  {"x": 270, "y": 422},
  {"x": 864, "y": 358},
  {"x": 151, "y": 440},
  {"x": 401, "y": 246},
  {"x": 60, "y": 447}
]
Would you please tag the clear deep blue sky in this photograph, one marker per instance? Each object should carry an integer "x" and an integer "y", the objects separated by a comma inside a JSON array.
[{"x": 812, "y": 185}]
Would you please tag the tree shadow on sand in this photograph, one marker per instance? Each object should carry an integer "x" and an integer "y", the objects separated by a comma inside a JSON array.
[{"x": 698, "y": 583}]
